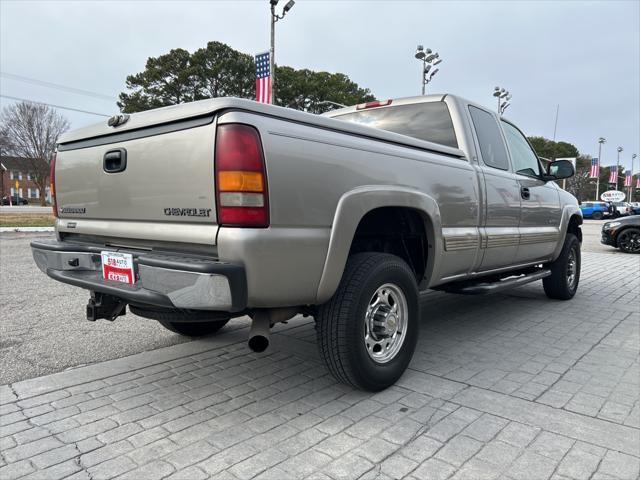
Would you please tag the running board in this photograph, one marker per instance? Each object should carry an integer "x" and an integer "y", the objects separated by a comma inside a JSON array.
[{"x": 482, "y": 288}]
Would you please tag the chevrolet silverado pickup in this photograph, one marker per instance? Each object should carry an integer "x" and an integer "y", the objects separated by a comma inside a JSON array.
[{"x": 197, "y": 213}]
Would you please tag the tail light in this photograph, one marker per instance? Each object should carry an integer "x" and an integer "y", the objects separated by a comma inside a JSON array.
[
  {"x": 241, "y": 182},
  {"x": 52, "y": 185}
]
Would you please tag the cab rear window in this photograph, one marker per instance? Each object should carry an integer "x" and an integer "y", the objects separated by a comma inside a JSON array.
[{"x": 425, "y": 121}]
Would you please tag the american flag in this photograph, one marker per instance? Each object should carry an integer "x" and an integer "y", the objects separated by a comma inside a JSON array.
[
  {"x": 613, "y": 175},
  {"x": 263, "y": 78},
  {"x": 627, "y": 178},
  {"x": 595, "y": 168},
  {"x": 638, "y": 182}
]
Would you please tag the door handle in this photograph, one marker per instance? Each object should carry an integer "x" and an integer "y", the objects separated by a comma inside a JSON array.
[
  {"x": 115, "y": 160},
  {"x": 525, "y": 193}
]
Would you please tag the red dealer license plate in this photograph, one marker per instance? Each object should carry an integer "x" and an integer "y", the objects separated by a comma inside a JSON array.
[{"x": 117, "y": 267}]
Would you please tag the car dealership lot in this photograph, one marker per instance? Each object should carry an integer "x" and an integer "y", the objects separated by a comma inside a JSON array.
[{"x": 511, "y": 385}]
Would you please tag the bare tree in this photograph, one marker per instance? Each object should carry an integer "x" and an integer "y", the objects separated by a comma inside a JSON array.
[
  {"x": 31, "y": 132},
  {"x": 579, "y": 185}
]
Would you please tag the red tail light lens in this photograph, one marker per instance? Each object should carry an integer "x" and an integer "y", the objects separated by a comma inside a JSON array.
[
  {"x": 241, "y": 182},
  {"x": 374, "y": 104},
  {"x": 52, "y": 184}
]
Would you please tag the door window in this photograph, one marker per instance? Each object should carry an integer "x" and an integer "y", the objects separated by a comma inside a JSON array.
[
  {"x": 492, "y": 149},
  {"x": 525, "y": 161}
]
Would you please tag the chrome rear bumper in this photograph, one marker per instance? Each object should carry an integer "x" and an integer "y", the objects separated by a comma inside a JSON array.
[{"x": 162, "y": 279}]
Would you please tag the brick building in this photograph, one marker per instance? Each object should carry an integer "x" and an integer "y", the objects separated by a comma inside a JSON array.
[{"x": 18, "y": 169}]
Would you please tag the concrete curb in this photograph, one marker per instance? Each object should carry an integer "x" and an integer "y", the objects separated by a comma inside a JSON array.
[{"x": 26, "y": 229}]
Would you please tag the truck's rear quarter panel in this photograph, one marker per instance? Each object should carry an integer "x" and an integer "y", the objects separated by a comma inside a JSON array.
[{"x": 309, "y": 170}]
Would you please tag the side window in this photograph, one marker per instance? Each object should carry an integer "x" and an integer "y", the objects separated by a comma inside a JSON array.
[
  {"x": 524, "y": 159},
  {"x": 492, "y": 147},
  {"x": 588, "y": 205}
]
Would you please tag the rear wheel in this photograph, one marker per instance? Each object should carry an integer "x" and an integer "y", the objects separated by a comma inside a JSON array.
[
  {"x": 367, "y": 332},
  {"x": 629, "y": 240},
  {"x": 191, "y": 323},
  {"x": 562, "y": 284},
  {"x": 194, "y": 329},
  {"x": 597, "y": 215}
]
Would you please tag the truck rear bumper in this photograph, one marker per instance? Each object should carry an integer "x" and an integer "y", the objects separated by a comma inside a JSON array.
[{"x": 164, "y": 280}]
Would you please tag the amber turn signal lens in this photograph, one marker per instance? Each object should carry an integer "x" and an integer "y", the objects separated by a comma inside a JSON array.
[{"x": 240, "y": 181}]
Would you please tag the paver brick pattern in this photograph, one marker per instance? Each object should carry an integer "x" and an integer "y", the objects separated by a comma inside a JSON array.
[{"x": 511, "y": 386}]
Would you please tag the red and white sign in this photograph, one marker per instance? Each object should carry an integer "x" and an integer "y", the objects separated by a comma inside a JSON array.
[
  {"x": 613, "y": 196},
  {"x": 117, "y": 267}
]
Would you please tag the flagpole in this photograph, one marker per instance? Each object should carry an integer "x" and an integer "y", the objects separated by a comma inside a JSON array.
[
  {"x": 600, "y": 142},
  {"x": 618, "y": 166},
  {"x": 272, "y": 51},
  {"x": 633, "y": 157}
]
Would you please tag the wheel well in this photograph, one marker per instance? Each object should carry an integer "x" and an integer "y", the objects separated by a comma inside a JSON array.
[
  {"x": 574, "y": 226},
  {"x": 396, "y": 230}
]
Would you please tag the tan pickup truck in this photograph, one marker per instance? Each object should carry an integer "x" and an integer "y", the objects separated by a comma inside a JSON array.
[{"x": 198, "y": 213}]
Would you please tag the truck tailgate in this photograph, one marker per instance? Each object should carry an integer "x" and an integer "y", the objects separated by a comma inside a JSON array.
[{"x": 167, "y": 180}]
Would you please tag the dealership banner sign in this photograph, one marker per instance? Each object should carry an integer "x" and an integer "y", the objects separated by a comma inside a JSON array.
[{"x": 612, "y": 196}]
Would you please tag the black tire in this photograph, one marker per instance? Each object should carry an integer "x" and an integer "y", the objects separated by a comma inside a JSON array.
[
  {"x": 191, "y": 323},
  {"x": 194, "y": 329},
  {"x": 597, "y": 215},
  {"x": 559, "y": 285},
  {"x": 629, "y": 240},
  {"x": 340, "y": 323}
]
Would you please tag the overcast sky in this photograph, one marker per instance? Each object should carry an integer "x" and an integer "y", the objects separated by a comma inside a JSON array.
[{"x": 582, "y": 55}]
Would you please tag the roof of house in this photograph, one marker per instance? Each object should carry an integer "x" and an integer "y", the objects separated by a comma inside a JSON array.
[{"x": 18, "y": 163}]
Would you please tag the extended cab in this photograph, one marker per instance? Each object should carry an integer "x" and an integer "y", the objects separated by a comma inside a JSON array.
[{"x": 197, "y": 213}]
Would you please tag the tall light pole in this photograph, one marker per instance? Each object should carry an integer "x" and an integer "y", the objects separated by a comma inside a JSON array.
[
  {"x": 503, "y": 97},
  {"x": 618, "y": 166},
  {"x": 274, "y": 18},
  {"x": 601, "y": 140},
  {"x": 429, "y": 60}
]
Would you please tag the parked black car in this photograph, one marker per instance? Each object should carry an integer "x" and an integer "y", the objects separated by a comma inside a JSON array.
[
  {"x": 623, "y": 233},
  {"x": 15, "y": 200}
]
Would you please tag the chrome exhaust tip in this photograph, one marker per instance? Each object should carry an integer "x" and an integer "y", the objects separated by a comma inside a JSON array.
[{"x": 260, "y": 332}]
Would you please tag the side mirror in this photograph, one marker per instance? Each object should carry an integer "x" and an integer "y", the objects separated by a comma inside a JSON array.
[{"x": 560, "y": 169}]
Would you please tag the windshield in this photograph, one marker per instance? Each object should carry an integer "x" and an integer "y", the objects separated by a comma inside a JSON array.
[{"x": 425, "y": 121}]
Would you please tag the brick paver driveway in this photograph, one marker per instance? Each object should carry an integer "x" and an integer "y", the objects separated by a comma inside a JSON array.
[{"x": 507, "y": 386}]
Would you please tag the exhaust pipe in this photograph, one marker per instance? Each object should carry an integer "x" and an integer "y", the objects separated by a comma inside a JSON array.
[
  {"x": 260, "y": 332},
  {"x": 261, "y": 323}
]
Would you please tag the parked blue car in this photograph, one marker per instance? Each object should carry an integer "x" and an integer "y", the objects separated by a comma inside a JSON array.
[{"x": 595, "y": 210}]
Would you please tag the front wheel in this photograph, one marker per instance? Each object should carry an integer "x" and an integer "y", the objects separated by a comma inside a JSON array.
[
  {"x": 597, "y": 215},
  {"x": 367, "y": 332},
  {"x": 629, "y": 240},
  {"x": 562, "y": 284}
]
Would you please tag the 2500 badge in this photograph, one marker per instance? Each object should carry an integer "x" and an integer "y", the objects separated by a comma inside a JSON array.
[{"x": 187, "y": 212}]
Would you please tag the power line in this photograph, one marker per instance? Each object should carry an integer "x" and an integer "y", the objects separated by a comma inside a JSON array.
[
  {"x": 57, "y": 86},
  {"x": 55, "y": 106}
]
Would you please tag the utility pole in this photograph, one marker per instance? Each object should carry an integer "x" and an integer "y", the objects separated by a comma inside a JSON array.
[
  {"x": 601, "y": 140},
  {"x": 272, "y": 49}
]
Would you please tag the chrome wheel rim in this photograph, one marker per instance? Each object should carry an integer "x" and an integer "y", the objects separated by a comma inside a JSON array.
[
  {"x": 572, "y": 268},
  {"x": 385, "y": 323}
]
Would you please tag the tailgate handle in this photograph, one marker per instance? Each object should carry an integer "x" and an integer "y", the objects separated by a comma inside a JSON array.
[{"x": 115, "y": 160}]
